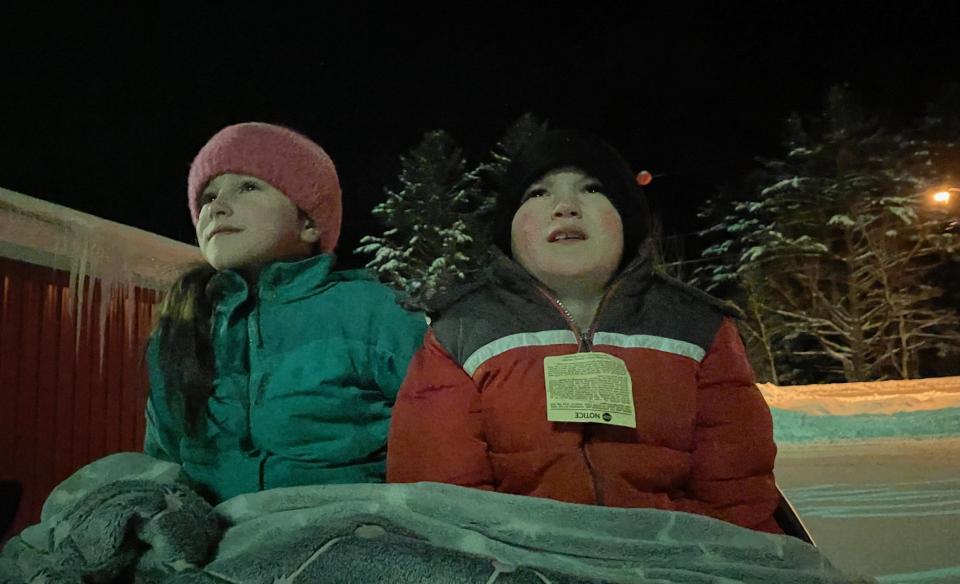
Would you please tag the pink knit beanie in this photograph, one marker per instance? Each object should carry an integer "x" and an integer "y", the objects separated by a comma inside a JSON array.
[{"x": 289, "y": 161}]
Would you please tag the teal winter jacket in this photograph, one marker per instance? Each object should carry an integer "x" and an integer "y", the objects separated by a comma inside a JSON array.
[{"x": 308, "y": 366}]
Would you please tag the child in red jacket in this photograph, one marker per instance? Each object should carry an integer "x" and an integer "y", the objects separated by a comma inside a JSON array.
[{"x": 570, "y": 370}]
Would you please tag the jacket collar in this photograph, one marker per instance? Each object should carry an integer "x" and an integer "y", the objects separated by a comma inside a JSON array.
[
  {"x": 277, "y": 280},
  {"x": 502, "y": 273},
  {"x": 632, "y": 280}
]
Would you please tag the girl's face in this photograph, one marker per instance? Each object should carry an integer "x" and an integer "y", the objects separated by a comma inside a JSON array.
[
  {"x": 566, "y": 230},
  {"x": 244, "y": 220}
]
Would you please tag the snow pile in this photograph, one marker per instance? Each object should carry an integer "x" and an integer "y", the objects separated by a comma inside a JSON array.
[
  {"x": 919, "y": 408},
  {"x": 868, "y": 397}
]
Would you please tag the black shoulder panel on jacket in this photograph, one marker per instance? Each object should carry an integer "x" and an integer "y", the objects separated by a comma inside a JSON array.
[
  {"x": 725, "y": 306},
  {"x": 438, "y": 302},
  {"x": 489, "y": 312},
  {"x": 663, "y": 310}
]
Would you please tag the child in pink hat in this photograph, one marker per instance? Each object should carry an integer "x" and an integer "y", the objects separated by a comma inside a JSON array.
[{"x": 267, "y": 367}]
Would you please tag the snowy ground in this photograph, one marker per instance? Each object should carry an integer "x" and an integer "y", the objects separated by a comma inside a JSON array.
[
  {"x": 874, "y": 471},
  {"x": 887, "y": 507}
]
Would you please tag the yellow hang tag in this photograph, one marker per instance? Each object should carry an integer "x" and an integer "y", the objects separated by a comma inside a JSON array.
[{"x": 589, "y": 387}]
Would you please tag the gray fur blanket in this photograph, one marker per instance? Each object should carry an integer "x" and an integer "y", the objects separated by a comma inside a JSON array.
[{"x": 130, "y": 518}]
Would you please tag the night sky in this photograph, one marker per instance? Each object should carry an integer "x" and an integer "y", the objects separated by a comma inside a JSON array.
[{"x": 103, "y": 113}]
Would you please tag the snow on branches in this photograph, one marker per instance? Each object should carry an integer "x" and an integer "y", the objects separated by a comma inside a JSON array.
[
  {"x": 437, "y": 215},
  {"x": 835, "y": 250}
]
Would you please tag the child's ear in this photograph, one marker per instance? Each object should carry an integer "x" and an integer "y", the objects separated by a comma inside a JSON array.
[{"x": 308, "y": 231}]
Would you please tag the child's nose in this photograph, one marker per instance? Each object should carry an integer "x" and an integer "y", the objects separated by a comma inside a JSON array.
[
  {"x": 219, "y": 206},
  {"x": 566, "y": 207}
]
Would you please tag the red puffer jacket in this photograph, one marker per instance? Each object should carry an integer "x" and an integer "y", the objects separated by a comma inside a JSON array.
[{"x": 472, "y": 410}]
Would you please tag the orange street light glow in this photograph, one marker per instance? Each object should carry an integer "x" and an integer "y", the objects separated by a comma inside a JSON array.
[{"x": 942, "y": 197}]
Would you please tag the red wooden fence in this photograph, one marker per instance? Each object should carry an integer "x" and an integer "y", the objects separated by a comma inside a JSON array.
[{"x": 63, "y": 401}]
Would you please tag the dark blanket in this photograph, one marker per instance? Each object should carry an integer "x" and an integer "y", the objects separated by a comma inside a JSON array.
[{"x": 131, "y": 518}]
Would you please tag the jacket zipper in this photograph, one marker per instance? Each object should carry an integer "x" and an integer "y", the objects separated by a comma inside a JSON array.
[
  {"x": 584, "y": 345},
  {"x": 584, "y": 339}
]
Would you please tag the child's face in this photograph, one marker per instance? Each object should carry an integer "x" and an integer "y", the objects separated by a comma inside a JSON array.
[
  {"x": 244, "y": 220},
  {"x": 566, "y": 230}
]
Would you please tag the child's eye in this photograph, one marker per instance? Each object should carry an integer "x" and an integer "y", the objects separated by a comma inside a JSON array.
[
  {"x": 248, "y": 186},
  {"x": 594, "y": 188},
  {"x": 207, "y": 198},
  {"x": 534, "y": 193}
]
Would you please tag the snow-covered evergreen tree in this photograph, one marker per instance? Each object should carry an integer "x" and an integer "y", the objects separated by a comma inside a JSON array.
[
  {"x": 489, "y": 174},
  {"x": 426, "y": 245},
  {"x": 438, "y": 219},
  {"x": 526, "y": 129},
  {"x": 835, "y": 248}
]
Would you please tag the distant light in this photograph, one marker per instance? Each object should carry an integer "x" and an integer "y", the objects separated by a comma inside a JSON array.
[{"x": 942, "y": 197}]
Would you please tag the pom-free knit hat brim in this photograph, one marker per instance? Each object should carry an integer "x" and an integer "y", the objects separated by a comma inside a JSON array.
[
  {"x": 588, "y": 153},
  {"x": 289, "y": 161}
]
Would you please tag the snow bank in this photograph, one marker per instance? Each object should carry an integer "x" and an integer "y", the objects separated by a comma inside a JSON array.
[
  {"x": 917, "y": 408},
  {"x": 872, "y": 397}
]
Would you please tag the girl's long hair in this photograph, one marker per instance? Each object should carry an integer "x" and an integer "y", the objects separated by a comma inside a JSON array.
[{"x": 186, "y": 359}]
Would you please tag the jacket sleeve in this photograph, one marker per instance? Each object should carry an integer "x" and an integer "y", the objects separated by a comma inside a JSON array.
[
  {"x": 399, "y": 334},
  {"x": 162, "y": 437},
  {"x": 436, "y": 433},
  {"x": 733, "y": 458}
]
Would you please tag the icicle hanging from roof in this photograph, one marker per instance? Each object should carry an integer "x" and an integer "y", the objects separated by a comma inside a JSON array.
[{"x": 95, "y": 252}]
